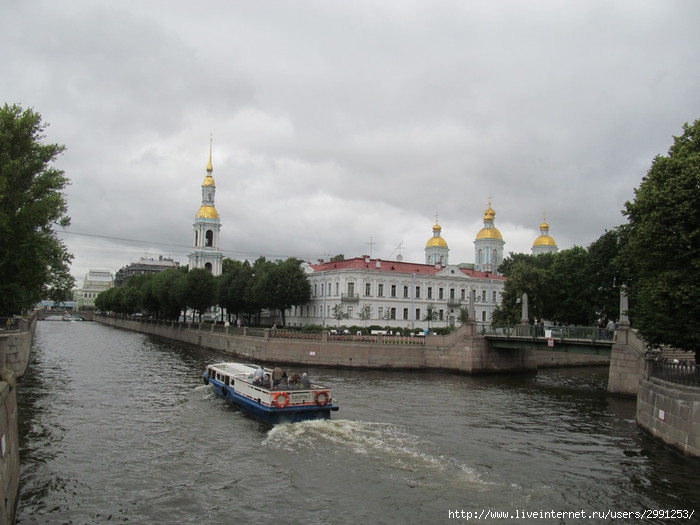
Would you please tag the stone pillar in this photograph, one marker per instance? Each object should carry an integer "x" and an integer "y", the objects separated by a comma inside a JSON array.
[
  {"x": 472, "y": 307},
  {"x": 524, "y": 315}
]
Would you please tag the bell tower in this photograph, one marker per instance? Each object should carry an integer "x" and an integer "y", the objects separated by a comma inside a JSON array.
[
  {"x": 206, "y": 252},
  {"x": 488, "y": 245}
]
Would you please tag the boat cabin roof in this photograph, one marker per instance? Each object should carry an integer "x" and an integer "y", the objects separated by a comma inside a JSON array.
[{"x": 234, "y": 368}]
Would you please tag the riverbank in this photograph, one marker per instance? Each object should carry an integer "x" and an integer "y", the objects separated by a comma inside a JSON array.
[
  {"x": 15, "y": 349},
  {"x": 462, "y": 351}
]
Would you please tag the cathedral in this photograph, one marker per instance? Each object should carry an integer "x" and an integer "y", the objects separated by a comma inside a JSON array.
[
  {"x": 399, "y": 294},
  {"x": 371, "y": 291}
]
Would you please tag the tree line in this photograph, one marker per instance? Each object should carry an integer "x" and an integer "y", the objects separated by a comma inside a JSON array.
[
  {"x": 577, "y": 286},
  {"x": 243, "y": 289}
]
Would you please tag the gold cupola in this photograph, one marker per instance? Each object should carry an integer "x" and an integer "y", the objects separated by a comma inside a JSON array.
[
  {"x": 436, "y": 240},
  {"x": 489, "y": 231},
  {"x": 545, "y": 243}
]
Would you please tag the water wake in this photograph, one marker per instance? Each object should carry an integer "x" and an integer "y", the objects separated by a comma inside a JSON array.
[{"x": 384, "y": 443}]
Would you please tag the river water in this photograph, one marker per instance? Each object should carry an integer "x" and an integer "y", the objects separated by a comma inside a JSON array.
[{"x": 117, "y": 427}]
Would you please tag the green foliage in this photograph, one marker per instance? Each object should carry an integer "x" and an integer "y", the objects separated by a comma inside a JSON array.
[
  {"x": 199, "y": 290},
  {"x": 35, "y": 264},
  {"x": 242, "y": 288},
  {"x": 576, "y": 286},
  {"x": 284, "y": 284},
  {"x": 431, "y": 314},
  {"x": 339, "y": 313},
  {"x": 365, "y": 313},
  {"x": 663, "y": 246}
]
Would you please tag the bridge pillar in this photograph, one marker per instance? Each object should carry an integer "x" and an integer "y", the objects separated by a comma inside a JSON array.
[{"x": 626, "y": 357}]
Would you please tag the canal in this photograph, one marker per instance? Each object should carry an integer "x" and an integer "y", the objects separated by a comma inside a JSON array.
[{"x": 117, "y": 427}]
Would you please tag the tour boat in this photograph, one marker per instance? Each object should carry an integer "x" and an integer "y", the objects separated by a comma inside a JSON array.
[{"x": 284, "y": 403}]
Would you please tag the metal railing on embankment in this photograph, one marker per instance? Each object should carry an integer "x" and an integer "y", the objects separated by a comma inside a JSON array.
[
  {"x": 279, "y": 333},
  {"x": 681, "y": 371}
]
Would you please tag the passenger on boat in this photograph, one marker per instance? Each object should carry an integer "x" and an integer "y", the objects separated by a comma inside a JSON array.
[
  {"x": 266, "y": 383},
  {"x": 305, "y": 381},
  {"x": 295, "y": 380},
  {"x": 276, "y": 376},
  {"x": 258, "y": 376}
]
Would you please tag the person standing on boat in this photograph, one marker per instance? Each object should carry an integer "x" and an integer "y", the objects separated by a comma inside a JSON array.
[
  {"x": 258, "y": 376},
  {"x": 305, "y": 381},
  {"x": 276, "y": 375}
]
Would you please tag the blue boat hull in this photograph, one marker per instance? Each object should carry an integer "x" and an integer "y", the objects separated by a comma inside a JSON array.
[{"x": 272, "y": 415}]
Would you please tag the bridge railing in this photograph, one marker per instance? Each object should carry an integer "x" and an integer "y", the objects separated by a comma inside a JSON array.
[
  {"x": 580, "y": 333},
  {"x": 679, "y": 371}
]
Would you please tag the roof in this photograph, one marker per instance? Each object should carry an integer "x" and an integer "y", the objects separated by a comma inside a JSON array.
[{"x": 378, "y": 265}]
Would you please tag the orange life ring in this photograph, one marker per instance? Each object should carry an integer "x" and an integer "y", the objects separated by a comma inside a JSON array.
[
  {"x": 322, "y": 399},
  {"x": 285, "y": 400}
]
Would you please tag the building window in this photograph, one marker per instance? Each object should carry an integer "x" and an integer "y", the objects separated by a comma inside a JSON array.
[
  {"x": 368, "y": 289},
  {"x": 380, "y": 291},
  {"x": 417, "y": 314},
  {"x": 405, "y": 313},
  {"x": 417, "y": 292},
  {"x": 430, "y": 292},
  {"x": 405, "y": 292},
  {"x": 316, "y": 289},
  {"x": 483, "y": 295},
  {"x": 350, "y": 312},
  {"x": 494, "y": 297},
  {"x": 380, "y": 312},
  {"x": 393, "y": 314},
  {"x": 393, "y": 290},
  {"x": 337, "y": 288},
  {"x": 452, "y": 293},
  {"x": 441, "y": 294},
  {"x": 461, "y": 294},
  {"x": 441, "y": 315}
]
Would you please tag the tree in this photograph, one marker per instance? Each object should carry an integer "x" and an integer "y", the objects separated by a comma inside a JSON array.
[
  {"x": 526, "y": 274},
  {"x": 234, "y": 286},
  {"x": 199, "y": 290},
  {"x": 663, "y": 247},
  {"x": 431, "y": 314},
  {"x": 31, "y": 202},
  {"x": 365, "y": 313},
  {"x": 339, "y": 313},
  {"x": 607, "y": 273},
  {"x": 463, "y": 316},
  {"x": 284, "y": 285}
]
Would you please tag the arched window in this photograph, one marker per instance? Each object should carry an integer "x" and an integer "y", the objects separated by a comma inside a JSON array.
[
  {"x": 207, "y": 266},
  {"x": 210, "y": 238}
]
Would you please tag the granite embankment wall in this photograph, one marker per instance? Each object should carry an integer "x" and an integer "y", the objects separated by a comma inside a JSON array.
[
  {"x": 15, "y": 349},
  {"x": 462, "y": 351},
  {"x": 670, "y": 412},
  {"x": 626, "y": 363}
]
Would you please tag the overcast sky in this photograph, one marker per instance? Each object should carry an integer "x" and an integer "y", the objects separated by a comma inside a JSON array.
[{"x": 345, "y": 127}]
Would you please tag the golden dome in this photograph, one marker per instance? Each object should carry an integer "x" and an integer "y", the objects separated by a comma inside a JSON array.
[
  {"x": 207, "y": 212},
  {"x": 209, "y": 181},
  {"x": 436, "y": 242},
  {"x": 489, "y": 233},
  {"x": 489, "y": 214},
  {"x": 544, "y": 240}
]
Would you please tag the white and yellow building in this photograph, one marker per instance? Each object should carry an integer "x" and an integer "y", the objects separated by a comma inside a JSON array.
[{"x": 395, "y": 293}]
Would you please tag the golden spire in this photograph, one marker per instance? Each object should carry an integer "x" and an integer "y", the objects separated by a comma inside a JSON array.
[{"x": 210, "y": 167}]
